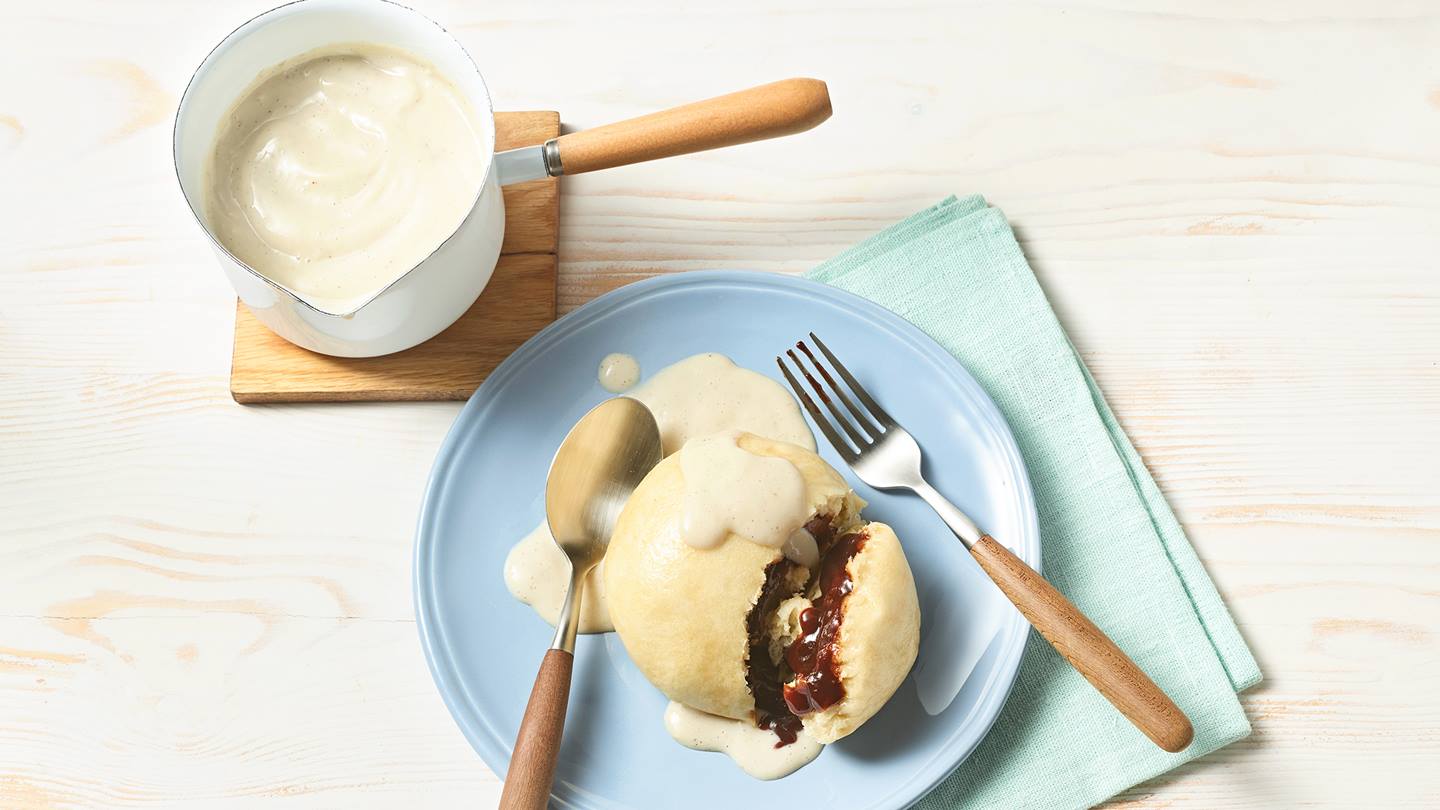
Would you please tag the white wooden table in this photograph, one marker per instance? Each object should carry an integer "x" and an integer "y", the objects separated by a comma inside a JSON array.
[{"x": 1234, "y": 206}]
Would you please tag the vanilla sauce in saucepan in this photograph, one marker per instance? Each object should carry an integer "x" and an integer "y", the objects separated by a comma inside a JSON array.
[{"x": 339, "y": 170}]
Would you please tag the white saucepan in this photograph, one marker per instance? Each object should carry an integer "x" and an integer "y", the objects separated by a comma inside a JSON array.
[{"x": 433, "y": 294}]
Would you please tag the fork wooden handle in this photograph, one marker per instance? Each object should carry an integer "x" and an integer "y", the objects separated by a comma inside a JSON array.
[
  {"x": 532, "y": 765},
  {"x": 1086, "y": 647}
]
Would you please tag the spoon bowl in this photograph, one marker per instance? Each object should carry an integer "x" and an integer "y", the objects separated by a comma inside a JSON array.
[{"x": 596, "y": 468}]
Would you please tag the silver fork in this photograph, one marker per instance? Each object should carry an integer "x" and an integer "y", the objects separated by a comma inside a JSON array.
[{"x": 885, "y": 456}]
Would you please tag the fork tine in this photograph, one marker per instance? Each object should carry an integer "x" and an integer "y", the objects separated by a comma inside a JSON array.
[
  {"x": 845, "y": 451},
  {"x": 859, "y": 439},
  {"x": 879, "y": 412},
  {"x": 861, "y": 418}
]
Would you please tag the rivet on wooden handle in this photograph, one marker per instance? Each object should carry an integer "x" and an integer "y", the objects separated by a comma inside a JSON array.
[
  {"x": 1086, "y": 647},
  {"x": 532, "y": 765},
  {"x": 767, "y": 111}
]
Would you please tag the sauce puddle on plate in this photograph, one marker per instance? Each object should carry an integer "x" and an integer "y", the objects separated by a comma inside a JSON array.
[
  {"x": 618, "y": 372},
  {"x": 753, "y": 749},
  {"x": 537, "y": 573}
]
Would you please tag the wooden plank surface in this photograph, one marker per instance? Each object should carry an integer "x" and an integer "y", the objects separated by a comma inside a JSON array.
[
  {"x": 1232, "y": 206},
  {"x": 517, "y": 303}
]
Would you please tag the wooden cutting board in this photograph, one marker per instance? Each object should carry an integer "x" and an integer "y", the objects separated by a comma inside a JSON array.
[{"x": 517, "y": 303}]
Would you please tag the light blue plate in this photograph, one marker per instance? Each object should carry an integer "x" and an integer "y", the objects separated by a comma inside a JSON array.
[{"x": 485, "y": 492}]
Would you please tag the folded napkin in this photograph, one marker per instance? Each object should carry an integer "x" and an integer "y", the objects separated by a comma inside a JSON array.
[{"x": 1110, "y": 542}]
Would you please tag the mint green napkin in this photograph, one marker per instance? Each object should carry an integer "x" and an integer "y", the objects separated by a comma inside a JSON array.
[{"x": 1110, "y": 541}]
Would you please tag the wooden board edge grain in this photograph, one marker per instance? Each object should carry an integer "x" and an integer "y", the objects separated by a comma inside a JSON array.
[{"x": 302, "y": 397}]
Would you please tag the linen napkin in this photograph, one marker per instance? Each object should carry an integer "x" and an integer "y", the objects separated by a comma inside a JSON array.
[{"x": 1110, "y": 542}]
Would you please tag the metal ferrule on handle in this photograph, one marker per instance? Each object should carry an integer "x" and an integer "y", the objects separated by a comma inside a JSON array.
[{"x": 551, "y": 154}]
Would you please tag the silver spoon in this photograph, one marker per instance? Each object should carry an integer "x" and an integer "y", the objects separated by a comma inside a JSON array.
[{"x": 596, "y": 468}]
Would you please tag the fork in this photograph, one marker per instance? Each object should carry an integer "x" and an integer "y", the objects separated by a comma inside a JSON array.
[{"x": 885, "y": 456}]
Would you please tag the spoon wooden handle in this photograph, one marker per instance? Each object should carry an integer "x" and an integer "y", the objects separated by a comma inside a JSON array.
[
  {"x": 1086, "y": 647},
  {"x": 532, "y": 765},
  {"x": 767, "y": 111}
]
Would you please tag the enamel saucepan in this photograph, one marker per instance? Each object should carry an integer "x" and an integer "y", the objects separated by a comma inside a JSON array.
[{"x": 433, "y": 294}]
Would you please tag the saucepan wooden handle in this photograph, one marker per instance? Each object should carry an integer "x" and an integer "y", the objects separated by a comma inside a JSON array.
[
  {"x": 1086, "y": 647},
  {"x": 767, "y": 111},
  {"x": 532, "y": 765}
]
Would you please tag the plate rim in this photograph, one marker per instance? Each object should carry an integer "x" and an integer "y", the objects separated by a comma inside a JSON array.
[{"x": 1013, "y": 635}]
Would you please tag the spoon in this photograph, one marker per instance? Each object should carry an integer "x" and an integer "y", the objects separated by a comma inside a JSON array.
[{"x": 598, "y": 465}]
